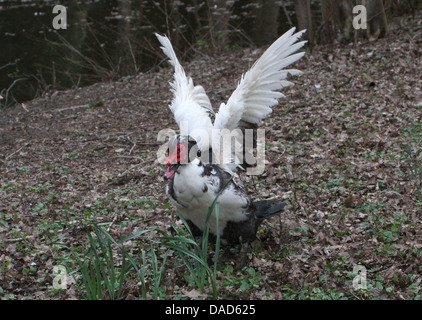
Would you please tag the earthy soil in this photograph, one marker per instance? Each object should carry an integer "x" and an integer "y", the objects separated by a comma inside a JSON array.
[{"x": 342, "y": 151}]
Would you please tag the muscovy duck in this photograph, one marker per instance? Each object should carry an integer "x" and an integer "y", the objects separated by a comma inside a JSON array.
[{"x": 194, "y": 180}]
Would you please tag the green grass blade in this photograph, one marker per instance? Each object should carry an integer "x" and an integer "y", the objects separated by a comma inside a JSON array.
[
  {"x": 134, "y": 235},
  {"x": 217, "y": 253}
]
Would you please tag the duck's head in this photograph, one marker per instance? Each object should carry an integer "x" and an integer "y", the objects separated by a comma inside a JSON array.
[{"x": 181, "y": 151}]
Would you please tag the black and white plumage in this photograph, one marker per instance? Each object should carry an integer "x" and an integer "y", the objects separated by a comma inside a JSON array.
[
  {"x": 193, "y": 187},
  {"x": 195, "y": 179}
]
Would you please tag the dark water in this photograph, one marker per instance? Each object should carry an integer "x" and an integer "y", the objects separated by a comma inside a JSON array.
[{"x": 109, "y": 39}]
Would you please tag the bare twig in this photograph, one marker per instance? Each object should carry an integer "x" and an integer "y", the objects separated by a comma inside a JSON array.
[
  {"x": 9, "y": 156},
  {"x": 128, "y": 157},
  {"x": 24, "y": 107},
  {"x": 133, "y": 56},
  {"x": 286, "y": 13},
  {"x": 133, "y": 147},
  {"x": 8, "y": 65},
  {"x": 136, "y": 165},
  {"x": 11, "y": 86},
  {"x": 17, "y": 239},
  {"x": 72, "y": 108},
  {"x": 113, "y": 221}
]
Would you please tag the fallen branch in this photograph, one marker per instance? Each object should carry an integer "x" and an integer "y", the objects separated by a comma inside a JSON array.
[
  {"x": 129, "y": 157},
  {"x": 344, "y": 83},
  {"x": 73, "y": 107},
  {"x": 17, "y": 239},
  {"x": 10, "y": 87},
  {"x": 113, "y": 221},
  {"x": 370, "y": 81},
  {"x": 136, "y": 165},
  {"x": 24, "y": 107},
  {"x": 133, "y": 147},
  {"x": 16, "y": 151}
]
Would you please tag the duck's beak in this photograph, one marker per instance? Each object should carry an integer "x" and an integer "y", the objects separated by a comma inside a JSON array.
[
  {"x": 171, "y": 170},
  {"x": 173, "y": 160}
]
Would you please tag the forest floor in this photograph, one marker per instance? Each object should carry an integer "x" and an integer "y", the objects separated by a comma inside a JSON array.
[{"x": 343, "y": 149}]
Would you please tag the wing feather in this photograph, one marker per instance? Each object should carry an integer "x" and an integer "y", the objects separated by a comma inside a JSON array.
[
  {"x": 249, "y": 104},
  {"x": 257, "y": 91},
  {"x": 257, "y": 87},
  {"x": 191, "y": 106}
]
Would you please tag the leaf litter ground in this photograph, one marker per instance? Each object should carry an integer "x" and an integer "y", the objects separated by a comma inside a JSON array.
[{"x": 343, "y": 149}]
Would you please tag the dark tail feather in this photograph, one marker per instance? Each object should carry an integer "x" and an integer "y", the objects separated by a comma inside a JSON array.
[{"x": 268, "y": 208}]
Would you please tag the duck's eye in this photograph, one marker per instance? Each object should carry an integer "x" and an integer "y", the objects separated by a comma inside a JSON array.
[{"x": 198, "y": 153}]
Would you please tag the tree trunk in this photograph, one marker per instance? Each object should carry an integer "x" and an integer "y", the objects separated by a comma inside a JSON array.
[
  {"x": 219, "y": 23},
  {"x": 266, "y": 30},
  {"x": 304, "y": 18},
  {"x": 174, "y": 22},
  {"x": 346, "y": 18},
  {"x": 377, "y": 19},
  {"x": 336, "y": 14},
  {"x": 124, "y": 47},
  {"x": 327, "y": 30}
]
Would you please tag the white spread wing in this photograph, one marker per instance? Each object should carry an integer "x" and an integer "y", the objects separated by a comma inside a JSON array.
[
  {"x": 256, "y": 93},
  {"x": 190, "y": 105}
]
